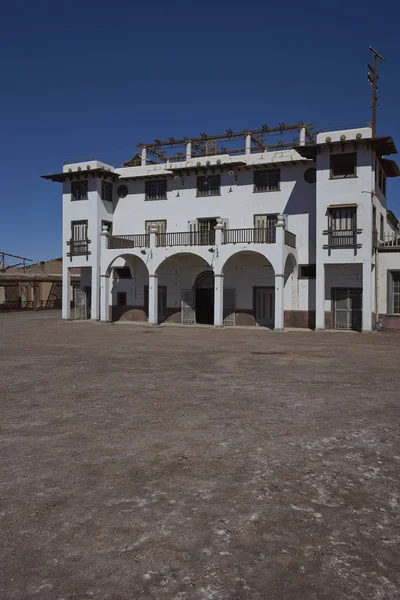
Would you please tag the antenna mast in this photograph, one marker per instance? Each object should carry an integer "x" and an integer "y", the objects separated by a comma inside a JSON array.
[{"x": 373, "y": 79}]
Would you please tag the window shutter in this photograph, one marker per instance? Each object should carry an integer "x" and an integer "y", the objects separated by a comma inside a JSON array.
[{"x": 389, "y": 302}]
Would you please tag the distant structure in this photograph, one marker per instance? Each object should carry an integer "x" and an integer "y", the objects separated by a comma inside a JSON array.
[{"x": 34, "y": 286}]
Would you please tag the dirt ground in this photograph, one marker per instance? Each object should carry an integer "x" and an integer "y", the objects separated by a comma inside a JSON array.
[{"x": 185, "y": 463}]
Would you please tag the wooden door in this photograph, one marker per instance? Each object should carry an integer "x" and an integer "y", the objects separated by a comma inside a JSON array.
[{"x": 264, "y": 306}]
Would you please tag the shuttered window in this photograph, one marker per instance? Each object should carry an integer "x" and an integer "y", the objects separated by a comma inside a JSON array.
[
  {"x": 209, "y": 186},
  {"x": 79, "y": 190},
  {"x": 267, "y": 181},
  {"x": 156, "y": 190},
  {"x": 79, "y": 239},
  {"x": 393, "y": 307}
]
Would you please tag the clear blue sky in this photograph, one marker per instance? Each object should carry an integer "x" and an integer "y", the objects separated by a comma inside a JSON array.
[{"x": 93, "y": 78}]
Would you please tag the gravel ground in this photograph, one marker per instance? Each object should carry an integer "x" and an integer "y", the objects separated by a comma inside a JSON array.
[{"x": 187, "y": 463}]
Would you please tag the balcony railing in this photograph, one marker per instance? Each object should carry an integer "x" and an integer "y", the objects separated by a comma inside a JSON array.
[
  {"x": 342, "y": 238},
  {"x": 186, "y": 238},
  {"x": 391, "y": 240},
  {"x": 290, "y": 239},
  {"x": 252, "y": 235},
  {"x": 78, "y": 248},
  {"x": 140, "y": 240},
  {"x": 249, "y": 236}
]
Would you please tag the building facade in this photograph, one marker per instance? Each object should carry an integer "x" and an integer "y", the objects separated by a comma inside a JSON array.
[{"x": 275, "y": 235}]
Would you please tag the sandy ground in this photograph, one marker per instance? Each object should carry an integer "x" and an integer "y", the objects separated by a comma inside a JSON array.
[{"x": 184, "y": 463}]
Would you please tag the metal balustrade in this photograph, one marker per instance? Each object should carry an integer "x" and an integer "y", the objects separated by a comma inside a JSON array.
[
  {"x": 140, "y": 240},
  {"x": 252, "y": 235},
  {"x": 290, "y": 239},
  {"x": 344, "y": 238},
  {"x": 186, "y": 238}
]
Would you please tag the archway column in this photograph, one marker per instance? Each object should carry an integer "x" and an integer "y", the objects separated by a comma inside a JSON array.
[
  {"x": 279, "y": 299},
  {"x": 104, "y": 298},
  {"x": 66, "y": 293},
  {"x": 153, "y": 299},
  {"x": 218, "y": 299}
]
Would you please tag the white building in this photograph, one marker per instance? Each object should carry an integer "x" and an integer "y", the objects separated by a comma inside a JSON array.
[{"x": 282, "y": 234}]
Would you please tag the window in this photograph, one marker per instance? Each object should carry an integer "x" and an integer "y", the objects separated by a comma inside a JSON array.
[
  {"x": 307, "y": 271},
  {"x": 209, "y": 186},
  {"x": 342, "y": 228},
  {"x": 156, "y": 190},
  {"x": 79, "y": 241},
  {"x": 79, "y": 190},
  {"x": 267, "y": 181},
  {"x": 265, "y": 226},
  {"x": 206, "y": 231},
  {"x": 106, "y": 191},
  {"x": 121, "y": 298},
  {"x": 343, "y": 165},
  {"x": 122, "y": 273},
  {"x": 382, "y": 228},
  {"x": 393, "y": 307}
]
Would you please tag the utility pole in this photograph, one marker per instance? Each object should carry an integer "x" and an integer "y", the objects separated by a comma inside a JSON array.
[{"x": 373, "y": 79}]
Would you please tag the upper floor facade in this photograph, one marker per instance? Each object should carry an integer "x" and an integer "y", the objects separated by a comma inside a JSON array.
[{"x": 328, "y": 189}]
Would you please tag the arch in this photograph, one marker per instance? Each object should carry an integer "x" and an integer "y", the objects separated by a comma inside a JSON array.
[
  {"x": 129, "y": 258},
  {"x": 204, "y": 281},
  {"x": 248, "y": 256},
  {"x": 182, "y": 256},
  {"x": 290, "y": 266}
]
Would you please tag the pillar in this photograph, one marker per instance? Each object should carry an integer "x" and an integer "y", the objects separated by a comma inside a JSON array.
[
  {"x": 218, "y": 299},
  {"x": 302, "y": 141},
  {"x": 144, "y": 156},
  {"x": 279, "y": 298},
  {"x": 219, "y": 232},
  {"x": 104, "y": 279},
  {"x": 95, "y": 305},
  {"x": 188, "y": 151},
  {"x": 367, "y": 297},
  {"x": 153, "y": 299},
  {"x": 280, "y": 274},
  {"x": 320, "y": 297},
  {"x": 104, "y": 298},
  {"x": 248, "y": 144},
  {"x": 66, "y": 293}
]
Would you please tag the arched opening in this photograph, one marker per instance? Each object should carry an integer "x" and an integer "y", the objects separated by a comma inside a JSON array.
[
  {"x": 249, "y": 290},
  {"x": 293, "y": 315},
  {"x": 204, "y": 297},
  {"x": 128, "y": 282},
  {"x": 177, "y": 276}
]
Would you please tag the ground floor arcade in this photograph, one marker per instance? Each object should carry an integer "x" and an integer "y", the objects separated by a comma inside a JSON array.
[{"x": 187, "y": 289}]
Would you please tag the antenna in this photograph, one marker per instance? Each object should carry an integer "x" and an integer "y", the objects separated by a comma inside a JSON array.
[{"x": 373, "y": 79}]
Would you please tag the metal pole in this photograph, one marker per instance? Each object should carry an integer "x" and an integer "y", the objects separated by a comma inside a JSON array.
[{"x": 373, "y": 79}]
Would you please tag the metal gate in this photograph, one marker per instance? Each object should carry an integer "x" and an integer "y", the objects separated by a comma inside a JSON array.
[
  {"x": 188, "y": 314},
  {"x": 80, "y": 311},
  {"x": 348, "y": 309},
  {"x": 229, "y": 307}
]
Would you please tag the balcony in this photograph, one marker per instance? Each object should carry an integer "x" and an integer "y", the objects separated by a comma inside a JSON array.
[
  {"x": 391, "y": 241},
  {"x": 342, "y": 239},
  {"x": 78, "y": 248},
  {"x": 200, "y": 238}
]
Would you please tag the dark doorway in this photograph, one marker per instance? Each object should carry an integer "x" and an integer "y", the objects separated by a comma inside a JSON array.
[{"x": 204, "y": 298}]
